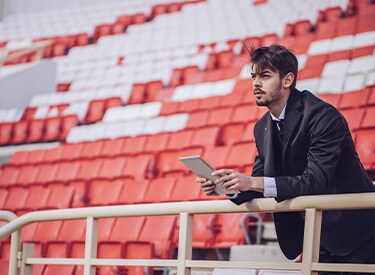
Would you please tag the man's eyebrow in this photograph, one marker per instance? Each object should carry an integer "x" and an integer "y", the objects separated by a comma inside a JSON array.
[{"x": 261, "y": 73}]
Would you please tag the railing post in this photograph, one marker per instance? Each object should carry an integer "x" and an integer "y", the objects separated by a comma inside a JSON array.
[
  {"x": 311, "y": 239},
  {"x": 27, "y": 251},
  {"x": 91, "y": 244},
  {"x": 185, "y": 243},
  {"x": 15, "y": 248}
]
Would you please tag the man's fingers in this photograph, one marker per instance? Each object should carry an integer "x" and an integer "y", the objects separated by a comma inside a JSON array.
[{"x": 221, "y": 172}]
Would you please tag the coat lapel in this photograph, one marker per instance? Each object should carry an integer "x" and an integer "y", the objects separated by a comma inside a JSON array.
[
  {"x": 269, "y": 148},
  {"x": 292, "y": 117}
]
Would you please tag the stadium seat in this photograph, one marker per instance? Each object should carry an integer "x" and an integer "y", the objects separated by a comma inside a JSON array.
[
  {"x": 112, "y": 147},
  {"x": 3, "y": 196},
  {"x": 132, "y": 226},
  {"x": 104, "y": 192},
  {"x": 45, "y": 232},
  {"x": 6, "y": 131},
  {"x": 248, "y": 134},
  {"x": 89, "y": 169},
  {"x": 156, "y": 143},
  {"x": 59, "y": 270},
  {"x": 112, "y": 168},
  {"x": 16, "y": 198},
  {"x": 139, "y": 250},
  {"x": 67, "y": 171},
  {"x": 354, "y": 118},
  {"x": 231, "y": 133},
  {"x": 95, "y": 111},
  {"x": 36, "y": 130},
  {"x": 133, "y": 145},
  {"x": 51, "y": 155},
  {"x": 20, "y": 132},
  {"x": 219, "y": 116},
  {"x": 92, "y": 149},
  {"x": 9, "y": 175},
  {"x": 71, "y": 151},
  {"x": 206, "y": 136},
  {"x": 186, "y": 189},
  {"x": 61, "y": 197},
  {"x": 133, "y": 191},
  {"x": 216, "y": 155},
  {"x": 241, "y": 156},
  {"x": 67, "y": 123},
  {"x": 188, "y": 106},
  {"x": 139, "y": 167},
  {"x": 230, "y": 230},
  {"x": 197, "y": 119},
  {"x": 37, "y": 198},
  {"x": 159, "y": 190},
  {"x": 354, "y": 99},
  {"x": 27, "y": 175},
  {"x": 159, "y": 230},
  {"x": 204, "y": 231},
  {"x": 180, "y": 139},
  {"x": 368, "y": 120},
  {"x": 46, "y": 173},
  {"x": 244, "y": 114}
]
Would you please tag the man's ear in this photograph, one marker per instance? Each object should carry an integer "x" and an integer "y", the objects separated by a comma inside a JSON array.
[{"x": 288, "y": 80}]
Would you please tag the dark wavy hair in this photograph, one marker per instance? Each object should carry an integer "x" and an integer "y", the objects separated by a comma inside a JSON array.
[{"x": 276, "y": 58}]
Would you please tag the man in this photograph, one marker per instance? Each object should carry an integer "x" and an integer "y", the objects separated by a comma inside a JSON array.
[{"x": 304, "y": 148}]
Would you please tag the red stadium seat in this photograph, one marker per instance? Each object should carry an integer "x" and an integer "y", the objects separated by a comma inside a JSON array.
[
  {"x": 92, "y": 149},
  {"x": 313, "y": 66},
  {"x": 27, "y": 175},
  {"x": 220, "y": 116},
  {"x": 20, "y": 132},
  {"x": 139, "y": 250},
  {"x": 36, "y": 156},
  {"x": 333, "y": 99},
  {"x": 3, "y": 196},
  {"x": 67, "y": 123},
  {"x": 46, "y": 173},
  {"x": 133, "y": 145},
  {"x": 241, "y": 155},
  {"x": 209, "y": 103},
  {"x": 368, "y": 120},
  {"x": 154, "y": 193},
  {"x": 133, "y": 191},
  {"x": 216, "y": 155},
  {"x": 186, "y": 189},
  {"x": 19, "y": 157},
  {"x": 248, "y": 134},
  {"x": 67, "y": 171},
  {"x": 244, "y": 113},
  {"x": 8, "y": 175},
  {"x": 52, "y": 128},
  {"x": 156, "y": 143},
  {"x": 132, "y": 226},
  {"x": 112, "y": 168},
  {"x": 89, "y": 169},
  {"x": 138, "y": 167},
  {"x": 354, "y": 118},
  {"x": 95, "y": 111},
  {"x": 230, "y": 232},
  {"x": 112, "y": 147},
  {"x": 36, "y": 130},
  {"x": 204, "y": 230},
  {"x": 231, "y": 133},
  {"x": 71, "y": 151},
  {"x": 207, "y": 136},
  {"x": 61, "y": 197},
  {"x": 72, "y": 231},
  {"x": 188, "y": 106},
  {"x": 180, "y": 139},
  {"x": 159, "y": 230},
  {"x": 197, "y": 119},
  {"x": 59, "y": 270},
  {"x": 104, "y": 192},
  {"x": 52, "y": 154},
  {"x": 16, "y": 198},
  {"x": 354, "y": 99},
  {"x": 6, "y": 131}
]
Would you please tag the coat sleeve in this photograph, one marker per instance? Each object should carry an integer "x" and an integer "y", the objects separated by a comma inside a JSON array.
[
  {"x": 326, "y": 131},
  {"x": 249, "y": 195}
]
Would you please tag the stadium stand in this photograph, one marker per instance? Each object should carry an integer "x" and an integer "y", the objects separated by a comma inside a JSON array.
[{"x": 141, "y": 83}]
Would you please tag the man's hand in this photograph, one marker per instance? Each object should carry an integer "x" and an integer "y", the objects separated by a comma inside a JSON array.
[
  {"x": 233, "y": 180},
  {"x": 208, "y": 186}
]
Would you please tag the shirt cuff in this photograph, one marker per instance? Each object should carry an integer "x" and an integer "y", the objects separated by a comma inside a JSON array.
[
  {"x": 270, "y": 187},
  {"x": 232, "y": 196}
]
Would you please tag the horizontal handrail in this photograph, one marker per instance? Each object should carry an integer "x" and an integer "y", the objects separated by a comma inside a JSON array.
[{"x": 323, "y": 202}]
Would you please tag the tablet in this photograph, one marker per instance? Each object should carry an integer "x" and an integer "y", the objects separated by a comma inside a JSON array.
[{"x": 202, "y": 169}]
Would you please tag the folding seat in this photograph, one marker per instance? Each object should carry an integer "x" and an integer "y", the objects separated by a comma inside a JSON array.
[
  {"x": 71, "y": 151},
  {"x": 127, "y": 229},
  {"x": 169, "y": 107},
  {"x": 313, "y": 66},
  {"x": 231, "y": 230},
  {"x": 20, "y": 132},
  {"x": 186, "y": 189},
  {"x": 133, "y": 145},
  {"x": 45, "y": 232},
  {"x": 159, "y": 231},
  {"x": 204, "y": 230},
  {"x": 303, "y": 43},
  {"x": 6, "y": 131},
  {"x": 368, "y": 120},
  {"x": 179, "y": 140},
  {"x": 112, "y": 168},
  {"x": 95, "y": 111},
  {"x": 354, "y": 99},
  {"x": 46, "y": 173},
  {"x": 9, "y": 175},
  {"x": 133, "y": 191},
  {"x": 188, "y": 106},
  {"x": 52, "y": 128},
  {"x": 138, "y": 167},
  {"x": 138, "y": 93},
  {"x": 112, "y": 102},
  {"x": 244, "y": 114},
  {"x": 67, "y": 171},
  {"x": 197, "y": 119},
  {"x": 3, "y": 196},
  {"x": 89, "y": 169},
  {"x": 241, "y": 156},
  {"x": 91, "y": 149},
  {"x": 154, "y": 194},
  {"x": 112, "y": 147},
  {"x": 37, "y": 198},
  {"x": 67, "y": 123},
  {"x": 192, "y": 75},
  {"x": 36, "y": 130},
  {"x": 231, "y": 133},
  {"x": 216, "y": 155},
  {"x": 209, "y": 103},
  {"x": 325, "y": 30},
  {"x": 158, "y": 10},
  {"x": 219, "y": 116},
  {"x": 207, "y": 136},
  {"x": 27, "y": 175},
  {"x": 19, "y": 157},
  {"x": 156, "y": 143},
  {"x": 104, "y": 192},
  {"x": 333, "y": 99},
  {"x": 61, "y": 197}
]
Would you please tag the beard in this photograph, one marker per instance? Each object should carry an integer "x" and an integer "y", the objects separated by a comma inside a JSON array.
[{"x": 273, "y": 96}]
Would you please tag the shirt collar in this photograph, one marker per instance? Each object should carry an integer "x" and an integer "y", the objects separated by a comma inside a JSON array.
[{"x": 281, "y": 117}]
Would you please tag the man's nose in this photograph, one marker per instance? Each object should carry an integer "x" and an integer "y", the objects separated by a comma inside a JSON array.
[{"x": 256, "y": 82}]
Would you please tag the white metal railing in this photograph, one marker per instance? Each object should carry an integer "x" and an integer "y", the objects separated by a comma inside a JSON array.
[{"x": 312, "y": 205}]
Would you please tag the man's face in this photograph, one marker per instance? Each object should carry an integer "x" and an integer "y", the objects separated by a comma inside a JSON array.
[{"x": 267, "y": 86}]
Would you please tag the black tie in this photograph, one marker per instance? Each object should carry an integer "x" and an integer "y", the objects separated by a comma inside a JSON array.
[{"x": 280, "y": 124}]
